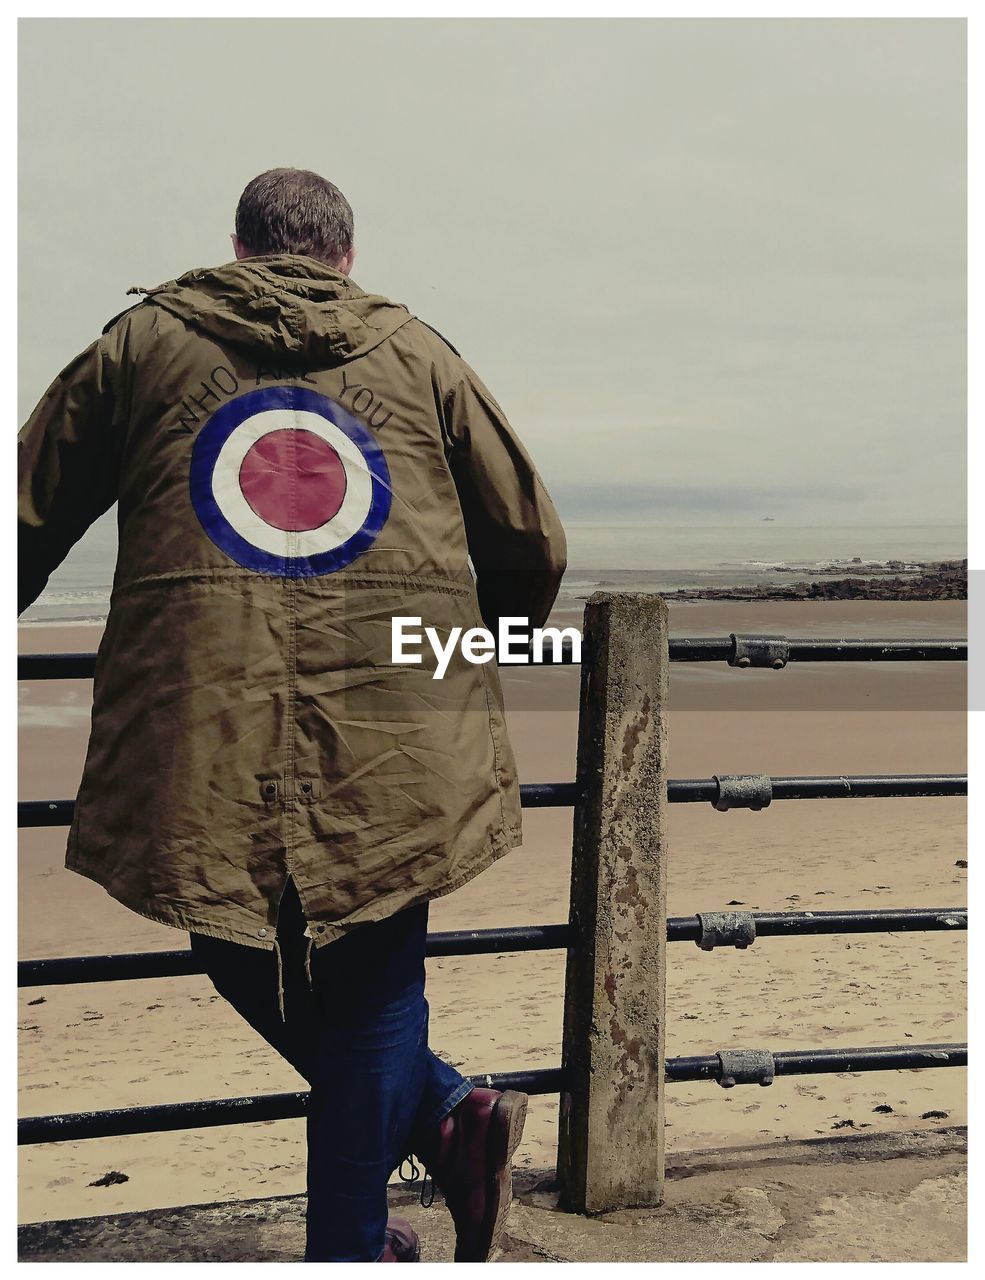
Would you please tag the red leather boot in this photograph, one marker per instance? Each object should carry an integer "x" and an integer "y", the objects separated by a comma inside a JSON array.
[
  {"x": 469, "y": 1156},
  {"x": 402, "y": 1244}
]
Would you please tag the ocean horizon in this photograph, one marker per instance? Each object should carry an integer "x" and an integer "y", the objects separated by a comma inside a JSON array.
[{"x": 630, "y": 556}]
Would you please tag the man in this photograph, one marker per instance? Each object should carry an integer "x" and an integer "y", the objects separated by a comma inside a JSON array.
[{"x": 296, "y": 462}]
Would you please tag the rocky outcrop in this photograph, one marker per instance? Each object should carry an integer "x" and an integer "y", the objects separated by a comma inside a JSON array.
[{"x": 894, "y": 580}]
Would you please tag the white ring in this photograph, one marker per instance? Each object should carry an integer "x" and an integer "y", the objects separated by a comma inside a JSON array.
[{"x": 231, "y": 501}]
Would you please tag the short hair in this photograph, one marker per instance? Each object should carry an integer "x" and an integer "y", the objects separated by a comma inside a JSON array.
[{"x": 294, "y": 211}]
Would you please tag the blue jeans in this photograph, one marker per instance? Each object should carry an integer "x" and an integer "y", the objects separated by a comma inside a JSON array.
[{"x": 359, "y": 1037}]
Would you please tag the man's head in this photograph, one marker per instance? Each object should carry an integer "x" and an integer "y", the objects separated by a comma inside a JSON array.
[{"x": 295, "y": 211}]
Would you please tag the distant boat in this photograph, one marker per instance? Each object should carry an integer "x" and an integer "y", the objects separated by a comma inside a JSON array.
[{"x": 769, "y": 518}]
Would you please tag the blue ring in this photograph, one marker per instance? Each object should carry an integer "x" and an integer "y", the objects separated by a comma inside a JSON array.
[{"x": 206, "y": 451}]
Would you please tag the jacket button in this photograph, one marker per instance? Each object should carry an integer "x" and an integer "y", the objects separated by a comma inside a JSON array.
[
  {"x": 261, "y": 933},
  {"x": 319, "y": 928},
  {"x": 270, "y": 789},
  {"x": 306, "y": 788}
]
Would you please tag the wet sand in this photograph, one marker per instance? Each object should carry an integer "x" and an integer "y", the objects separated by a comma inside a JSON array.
[{"x": 168, "y": 1040}]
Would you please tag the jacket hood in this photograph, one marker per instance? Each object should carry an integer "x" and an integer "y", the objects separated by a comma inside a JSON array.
[{"x": 285, "y": 305}]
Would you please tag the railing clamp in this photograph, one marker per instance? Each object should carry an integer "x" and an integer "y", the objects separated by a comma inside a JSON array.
[
  {"x": 742, "y": 791},
  {"x": 745, "y": 1066},
  {"x": 726, "y": 929},
  {"x": 759, "y": 651}
]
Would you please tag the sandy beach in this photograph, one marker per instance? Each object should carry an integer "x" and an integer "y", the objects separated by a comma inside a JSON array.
[{"x": 122, "y": 1044}]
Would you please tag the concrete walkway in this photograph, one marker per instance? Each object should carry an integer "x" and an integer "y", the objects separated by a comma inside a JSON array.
[{"x": 895, "y": 1198}]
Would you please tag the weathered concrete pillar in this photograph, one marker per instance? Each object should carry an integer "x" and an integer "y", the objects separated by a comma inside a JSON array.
[{"x": 611, "y": 1141}]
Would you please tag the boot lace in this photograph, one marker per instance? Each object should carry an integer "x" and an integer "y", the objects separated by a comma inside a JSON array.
[{"x": 415, "y": 1172}]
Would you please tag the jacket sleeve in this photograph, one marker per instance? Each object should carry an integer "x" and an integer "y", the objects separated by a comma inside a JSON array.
[
  {"x": 516, "y": 542},
  {"x": 68, "y": 467}
]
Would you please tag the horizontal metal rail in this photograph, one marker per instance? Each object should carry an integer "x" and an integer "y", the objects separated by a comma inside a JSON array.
[
  {"x": 844, "y": 787},
  {"x": 561, "y": 795},
  {"x": 75, "y": 1126},
  {"x": 56, "y": 666},
  {"x": 716, "y": 649},
  {"x": 81, "y": 666},
  {"x": 66, "y": 970},
  {"x": 792, "y": 924},
  {"x": 166, "y": 1117},
  {"x": 809, "y": 1062}
]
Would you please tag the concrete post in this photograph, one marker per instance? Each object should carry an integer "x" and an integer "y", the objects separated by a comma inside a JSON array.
[{"x": 611, "y": 1139}]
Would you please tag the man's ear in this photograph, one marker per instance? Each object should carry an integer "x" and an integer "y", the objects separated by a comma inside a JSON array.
[
  {"x": 239, "y": 248},
  {"x": 345, "y": 266}
]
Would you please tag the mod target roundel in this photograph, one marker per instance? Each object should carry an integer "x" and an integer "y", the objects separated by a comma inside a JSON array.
[{"x": 288, "y": 482}]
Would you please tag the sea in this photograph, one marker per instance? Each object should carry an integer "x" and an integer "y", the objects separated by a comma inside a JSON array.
[{"x": 624, "y": 556}]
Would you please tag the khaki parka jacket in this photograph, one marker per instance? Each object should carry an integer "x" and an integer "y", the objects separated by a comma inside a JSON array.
[{"x": 296, "y": 462}]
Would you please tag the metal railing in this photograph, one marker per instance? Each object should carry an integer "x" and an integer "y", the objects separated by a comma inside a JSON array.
[
  {"x": 562, "y": 795},
  {"x": 706, "y": 929},
  {"x": 289, "y": 1106},
  {"x": 69, "y": 970},
  {"x": 81, "y": 666}
]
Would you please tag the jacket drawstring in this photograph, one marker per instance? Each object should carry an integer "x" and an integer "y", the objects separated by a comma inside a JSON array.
[
  {"x": 307, "y": 961},
  {"x": 280, "y": 979}
]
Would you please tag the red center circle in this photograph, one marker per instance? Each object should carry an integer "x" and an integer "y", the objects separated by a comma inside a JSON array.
[{"x": 293, "y": 480}]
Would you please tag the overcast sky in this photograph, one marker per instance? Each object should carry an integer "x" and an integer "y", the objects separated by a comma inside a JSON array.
[{"x": 712, "y": 269}]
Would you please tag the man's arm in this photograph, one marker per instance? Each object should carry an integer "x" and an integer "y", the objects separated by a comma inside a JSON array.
[
  {"x": 68, "y": 463},
  {"x": 515, "y": 538}
]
